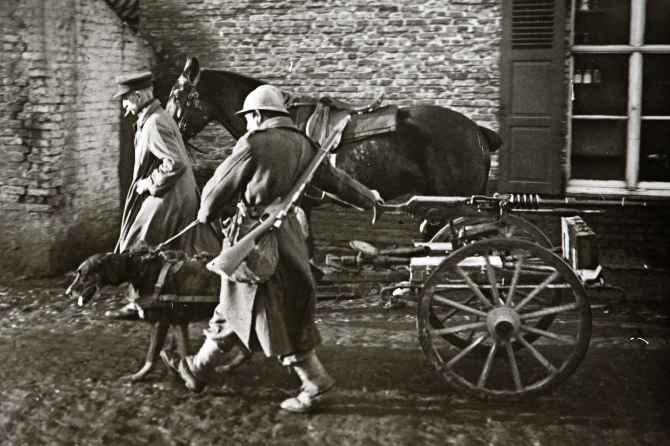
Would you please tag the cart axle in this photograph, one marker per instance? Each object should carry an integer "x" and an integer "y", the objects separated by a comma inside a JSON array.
[{"x": 503, "y": 323}]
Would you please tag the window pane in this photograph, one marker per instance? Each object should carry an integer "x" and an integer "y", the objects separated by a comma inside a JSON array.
[
  {"x": 655, "y": 151},
  {"x": 598, "y": 149},
  {"x": 600, "y": 84},
  {"x": 656, "y": 84},
  {"x": 657, "y": 27},
  {"x": 602, "y": 22}
]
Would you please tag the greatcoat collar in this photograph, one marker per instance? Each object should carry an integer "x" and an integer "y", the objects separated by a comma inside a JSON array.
[
  {"x": 146, "y": 111},
  {"x": 277, "y": 121}
]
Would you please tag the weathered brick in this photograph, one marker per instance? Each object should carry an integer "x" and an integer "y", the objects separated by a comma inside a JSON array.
[
  {"x": 16, "y": 156},
  {"x": 53, "y": 83},
  {"x": 40, "y": 192},
  {"x": 13, "y": 190}
]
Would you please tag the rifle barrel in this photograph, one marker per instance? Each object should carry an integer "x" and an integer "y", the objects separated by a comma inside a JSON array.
[{"x": 588, "y": 202}]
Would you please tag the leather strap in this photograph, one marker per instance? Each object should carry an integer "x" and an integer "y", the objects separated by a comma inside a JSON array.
[{"x": 161, "y": 279}]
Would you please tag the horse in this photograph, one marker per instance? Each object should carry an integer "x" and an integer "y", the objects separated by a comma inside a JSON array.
[
  {"x": 434, "y": 151},
  {"x": 182, "y": 276}
]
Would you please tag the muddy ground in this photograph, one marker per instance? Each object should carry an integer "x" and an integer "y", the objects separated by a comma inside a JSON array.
[{"x": 60, "y": 367}]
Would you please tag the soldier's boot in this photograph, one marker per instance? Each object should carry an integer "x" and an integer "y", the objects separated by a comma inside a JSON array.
[{"x": 315, "y": 383}]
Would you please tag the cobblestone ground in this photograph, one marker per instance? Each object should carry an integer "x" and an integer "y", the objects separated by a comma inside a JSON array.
[{"x": 61, "y": 364}]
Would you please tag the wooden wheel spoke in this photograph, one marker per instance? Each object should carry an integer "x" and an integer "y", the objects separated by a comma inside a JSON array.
[
  {"x": 491, "y": 275},
  {"x": 515, "y": 368},
  {"x": 539, "y": 356},
  {"x": 466, "y": 350},
  {"x": 515, "y": 280},
  {"x": 550, "y": 310},
  {"x": 460, "y": 306},
  {"x": 474, "y": 287},
  {"x": 455, "y": 310},
  {"x": 458, "y": 328},
  {"x": 563, "y": 338},
  {"x": 537, "y": 290},
  {"x": 487, "y": 365}
]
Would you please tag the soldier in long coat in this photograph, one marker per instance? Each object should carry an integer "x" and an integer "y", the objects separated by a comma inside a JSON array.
[
  {"x": 275, "y": 316},
  {"x": 163, "y": 197}
]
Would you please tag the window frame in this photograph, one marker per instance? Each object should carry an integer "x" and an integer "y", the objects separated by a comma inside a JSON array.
[{"x": 636, "y": 50}]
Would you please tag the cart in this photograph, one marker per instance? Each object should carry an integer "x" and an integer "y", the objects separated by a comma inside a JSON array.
[{"x": 501, "y": 314}]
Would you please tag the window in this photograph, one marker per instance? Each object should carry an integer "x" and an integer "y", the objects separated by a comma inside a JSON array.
[{"x": 619, "y": 113}]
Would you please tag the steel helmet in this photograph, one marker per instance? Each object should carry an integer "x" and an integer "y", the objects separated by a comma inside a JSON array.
[{"x": 265, "y": 97}]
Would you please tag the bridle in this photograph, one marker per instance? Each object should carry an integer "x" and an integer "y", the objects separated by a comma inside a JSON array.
[{"x": 187, "y": 103}]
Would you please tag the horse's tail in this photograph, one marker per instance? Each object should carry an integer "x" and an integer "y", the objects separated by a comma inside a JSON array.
[{"x": 493, "y": 140}]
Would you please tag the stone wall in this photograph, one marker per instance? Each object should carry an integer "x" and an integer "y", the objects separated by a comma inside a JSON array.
[{"x": 59, "y": 140}]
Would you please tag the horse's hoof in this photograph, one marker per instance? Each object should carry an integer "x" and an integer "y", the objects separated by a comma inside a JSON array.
[{"x": 394, "y": 304}]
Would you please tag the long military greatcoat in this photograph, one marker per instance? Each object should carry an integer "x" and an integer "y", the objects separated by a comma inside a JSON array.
[
  {"x": 172, "y": 200},
  {"x": 265, "y": 164}
]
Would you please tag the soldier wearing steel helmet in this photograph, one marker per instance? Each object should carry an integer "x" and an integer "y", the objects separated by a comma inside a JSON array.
[{"x": 274, "y": 315}]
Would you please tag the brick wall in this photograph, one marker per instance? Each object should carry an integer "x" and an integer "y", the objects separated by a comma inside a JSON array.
[
  {"x": 427, "y": 51},
  {"x": 59, "y": 193},
  {"x": 423, "y": 51}
]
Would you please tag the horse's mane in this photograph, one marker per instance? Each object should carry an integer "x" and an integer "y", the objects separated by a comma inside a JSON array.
[{"x": 212, "y": 74}]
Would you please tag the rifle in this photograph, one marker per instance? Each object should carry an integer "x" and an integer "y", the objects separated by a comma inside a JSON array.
[{"x": 273, "y": 215}]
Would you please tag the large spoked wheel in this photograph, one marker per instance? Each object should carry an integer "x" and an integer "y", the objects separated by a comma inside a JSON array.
[
  {"x": 470, "y": 229},
  {"x": 514, "y": 284}
]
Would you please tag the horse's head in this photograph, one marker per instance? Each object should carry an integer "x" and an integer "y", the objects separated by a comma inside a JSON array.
[
  {"x": 95, "y": 272},
  {"x": 184, "y": 104}
]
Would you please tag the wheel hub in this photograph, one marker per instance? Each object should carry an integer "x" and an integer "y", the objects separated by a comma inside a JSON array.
[{"x": 503, "y": 323}]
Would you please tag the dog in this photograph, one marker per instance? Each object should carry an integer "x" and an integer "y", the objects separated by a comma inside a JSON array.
[{"x": 192, "y": 291}]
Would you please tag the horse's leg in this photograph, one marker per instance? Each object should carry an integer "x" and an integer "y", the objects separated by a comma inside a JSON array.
[
  {"x": 316, "y": 271},
  {"x": 158, "y": 333}
]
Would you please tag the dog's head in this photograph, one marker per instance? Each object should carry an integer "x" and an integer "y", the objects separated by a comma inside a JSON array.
[{"x": 95, "y": 272}]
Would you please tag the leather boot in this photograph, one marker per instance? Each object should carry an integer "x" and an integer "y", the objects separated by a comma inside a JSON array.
[
  {"x": 315, "y": 382},
  {"x": 194, "y": 370}
]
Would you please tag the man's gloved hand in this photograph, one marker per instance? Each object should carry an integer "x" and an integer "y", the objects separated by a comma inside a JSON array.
[
  {"x": 378, "y": 197},
  {"x": 376, "y": 212},
  {"x": 142, "y": 186},
  {"x": 203, "y": 215}
]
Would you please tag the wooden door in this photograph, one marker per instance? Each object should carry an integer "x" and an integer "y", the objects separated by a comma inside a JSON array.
[
  {"x": 533, "y": 96},
  {"x": 126, "y": 155}
]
